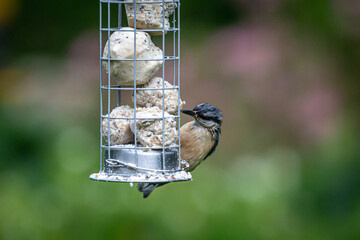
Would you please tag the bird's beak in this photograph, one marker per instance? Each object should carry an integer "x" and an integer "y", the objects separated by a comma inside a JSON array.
[{"x": 189, "y": 112}]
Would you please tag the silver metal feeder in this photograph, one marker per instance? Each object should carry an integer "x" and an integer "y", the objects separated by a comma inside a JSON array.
[{"x": 136, "y": 163}]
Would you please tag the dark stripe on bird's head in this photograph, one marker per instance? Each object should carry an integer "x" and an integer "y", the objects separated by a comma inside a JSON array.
[{"x": 205, "y": 112}]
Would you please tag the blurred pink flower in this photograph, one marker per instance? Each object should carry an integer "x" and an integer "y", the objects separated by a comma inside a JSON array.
[
  {"x": 280, "y": 75},
  {"x": 252, "y": 51},
  {"x": 62, "y": 88},
  {"x": 316, "y": 112},
  {"x": 199, "y": 85},
  {"x": 83, "y": 57}
]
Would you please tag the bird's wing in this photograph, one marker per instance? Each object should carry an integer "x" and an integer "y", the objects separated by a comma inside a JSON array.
[{"x": 214, "y": 146}]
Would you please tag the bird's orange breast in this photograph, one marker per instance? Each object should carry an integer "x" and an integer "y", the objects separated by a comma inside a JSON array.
[{"x": 196, "y": 143}]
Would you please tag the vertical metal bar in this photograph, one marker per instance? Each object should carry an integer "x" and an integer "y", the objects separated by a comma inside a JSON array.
[
  {"x": 178, "y": 69},
  {"x": 135, "y": 127},
  {"x": 163, "y": 87},
  {"x": 119, "y": 26},
  {"x": 101, "y": 96},
  {"x": 109, "y": 91},
  {"x": 119, "y": 14},
  {"x": 174, "y": 46}
]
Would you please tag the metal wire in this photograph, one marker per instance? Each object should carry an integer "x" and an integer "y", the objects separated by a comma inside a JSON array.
[
  {"x": 178, "y": 72},
  {"x": 118, "y": 163},
  {"x": 140, "y": 30},
  {"x": 101, "y": 96},
  {"x": 135, "y": 125},
  {"x": 166, "y": 58},
  {"x": 117, "y": 87},
  {"x": 141, "y": 2},
  {"x": 140, "y": 118},
  {"x": 110, "y": 87},
  {"x": 109, "y": 78},
  {"x": 119, "y": 147},
  {"x": 163, "y": 85},
  {"x": 119, "y": 26}
]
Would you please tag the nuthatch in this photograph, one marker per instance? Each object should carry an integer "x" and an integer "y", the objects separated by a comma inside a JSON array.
[{"x": 199, "y": 139}]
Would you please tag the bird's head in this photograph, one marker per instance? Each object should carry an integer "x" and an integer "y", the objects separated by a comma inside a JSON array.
[{"x": 206, "y": 115}]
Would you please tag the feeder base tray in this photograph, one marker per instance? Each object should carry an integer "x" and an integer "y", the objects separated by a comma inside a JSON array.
[
  {"x": 141, "y": 177},
  {"x": 129, "y": 165}
]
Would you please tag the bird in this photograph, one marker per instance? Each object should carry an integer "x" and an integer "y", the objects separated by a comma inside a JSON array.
[{"x": 198, "y": 139}]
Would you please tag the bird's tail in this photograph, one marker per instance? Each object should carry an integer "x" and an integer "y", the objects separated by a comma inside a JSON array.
[{"x": 147, "y": 188}]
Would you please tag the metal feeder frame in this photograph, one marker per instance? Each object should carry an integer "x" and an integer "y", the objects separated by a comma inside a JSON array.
[{"x": 136, "y": 163}]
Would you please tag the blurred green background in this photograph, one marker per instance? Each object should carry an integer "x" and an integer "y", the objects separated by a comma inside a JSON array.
[{"x": 286, "y": 75}]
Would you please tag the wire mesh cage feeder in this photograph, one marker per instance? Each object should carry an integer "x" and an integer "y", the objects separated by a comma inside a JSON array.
[{"x": 140, "y": 142}]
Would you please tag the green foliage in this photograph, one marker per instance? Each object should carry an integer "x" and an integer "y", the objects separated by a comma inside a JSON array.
[{"x": 279, "y": 194}]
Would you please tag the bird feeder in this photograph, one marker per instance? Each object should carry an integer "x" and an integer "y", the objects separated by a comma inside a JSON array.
[{"x": 140, "y": 104}]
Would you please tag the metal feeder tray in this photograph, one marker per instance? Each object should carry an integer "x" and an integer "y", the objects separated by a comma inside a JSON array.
[{"x": 122, "y": 166}]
